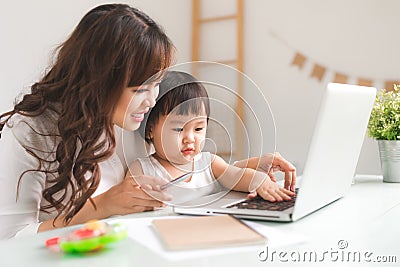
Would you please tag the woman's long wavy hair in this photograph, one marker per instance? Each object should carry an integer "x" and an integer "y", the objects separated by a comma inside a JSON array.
[{"x": 113, "y": 47}]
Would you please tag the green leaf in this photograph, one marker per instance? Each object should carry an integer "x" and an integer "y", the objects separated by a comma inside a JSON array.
[{"x": 384, "y": 121}]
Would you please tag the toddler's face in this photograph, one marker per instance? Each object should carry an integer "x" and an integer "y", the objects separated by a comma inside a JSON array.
[{"x": 179, "y": 138}]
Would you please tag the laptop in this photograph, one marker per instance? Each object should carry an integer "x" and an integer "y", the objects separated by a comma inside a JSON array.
[{"x": 329, "y": 169}]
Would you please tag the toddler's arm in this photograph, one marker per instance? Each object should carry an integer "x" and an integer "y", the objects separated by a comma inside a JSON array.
[{"x": 248, "y": 180}]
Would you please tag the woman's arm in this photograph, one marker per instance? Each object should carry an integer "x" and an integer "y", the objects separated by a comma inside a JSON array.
[
  {"x": 124, "y": 198},
  {"x": 18, "y": 215},
  {"x": 270, "y": 163}
]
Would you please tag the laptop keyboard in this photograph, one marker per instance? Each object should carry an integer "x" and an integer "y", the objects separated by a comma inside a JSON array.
[{"x": 258, "y": 203}]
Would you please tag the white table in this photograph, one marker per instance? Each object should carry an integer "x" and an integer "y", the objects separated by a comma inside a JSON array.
[{"x": 367, "y": 219}]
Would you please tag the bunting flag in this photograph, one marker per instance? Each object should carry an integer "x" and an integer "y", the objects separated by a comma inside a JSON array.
[
  {"x": 340, "y": 78},
  {"x": 299, "y": 60},
  {"x": 365, "y": 82},
  {"x": 389, "y": 85},
  {"x": 319, "y": 71}
]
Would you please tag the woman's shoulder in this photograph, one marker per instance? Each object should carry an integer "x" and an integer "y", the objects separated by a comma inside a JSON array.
[
  {"x": 45, "y": 123},
  {"x": 34, "y": 131}
]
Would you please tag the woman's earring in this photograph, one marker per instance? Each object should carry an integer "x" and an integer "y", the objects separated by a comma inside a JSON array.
[{"x": 150, "y": 136}]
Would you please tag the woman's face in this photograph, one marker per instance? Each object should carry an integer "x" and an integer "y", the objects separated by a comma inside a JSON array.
[{"x": 133, "y": 103}]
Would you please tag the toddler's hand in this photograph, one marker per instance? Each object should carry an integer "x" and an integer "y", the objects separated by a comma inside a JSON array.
[{"x": 272, "y": 192}]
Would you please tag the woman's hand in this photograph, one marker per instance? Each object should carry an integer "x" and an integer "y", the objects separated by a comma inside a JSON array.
[
  {"x": 271, "y": 191},
  {"x": 124, "y": 198},
  {"x": 128, "y": 197},
  {"x": 271, "y": 163}
]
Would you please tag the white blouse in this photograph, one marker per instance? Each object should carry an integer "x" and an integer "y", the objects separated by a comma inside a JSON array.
[
  {"x": 21, "y": 215},
  {"x": 201, "y": 184}
]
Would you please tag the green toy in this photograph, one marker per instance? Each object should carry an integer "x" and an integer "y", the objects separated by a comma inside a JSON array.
[{"x": 92, "y": 237}]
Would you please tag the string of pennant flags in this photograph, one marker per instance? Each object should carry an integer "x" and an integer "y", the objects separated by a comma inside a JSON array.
[{"x": 320, "y": 72}]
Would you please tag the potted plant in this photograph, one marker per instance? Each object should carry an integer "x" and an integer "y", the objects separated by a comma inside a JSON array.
[{"x": 384, "y": 126}]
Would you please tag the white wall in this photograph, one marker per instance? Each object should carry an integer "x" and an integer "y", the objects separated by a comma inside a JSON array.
[
  {"x": 358, "y": 37},
  {"x": 30, "y": 30}
]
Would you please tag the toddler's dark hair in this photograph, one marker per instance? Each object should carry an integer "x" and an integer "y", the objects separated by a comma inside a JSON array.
[{"x": 180, "y": 93}]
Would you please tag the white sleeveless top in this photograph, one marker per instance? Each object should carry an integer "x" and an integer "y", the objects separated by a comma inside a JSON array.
[{"x": 202, "y": 183}]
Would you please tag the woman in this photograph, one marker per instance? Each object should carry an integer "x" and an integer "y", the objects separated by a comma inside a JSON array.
[
  {"x": 61, "y": 156},
  {"x": 59, "y": 164}
]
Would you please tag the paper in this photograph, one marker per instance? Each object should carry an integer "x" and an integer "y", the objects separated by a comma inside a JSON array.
[
  {"x": 140, "y": 230},
  {"x": 197, "y": 232}
]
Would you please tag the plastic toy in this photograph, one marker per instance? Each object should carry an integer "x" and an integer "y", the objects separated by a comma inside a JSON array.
[{"x": 92, "y": 237}]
